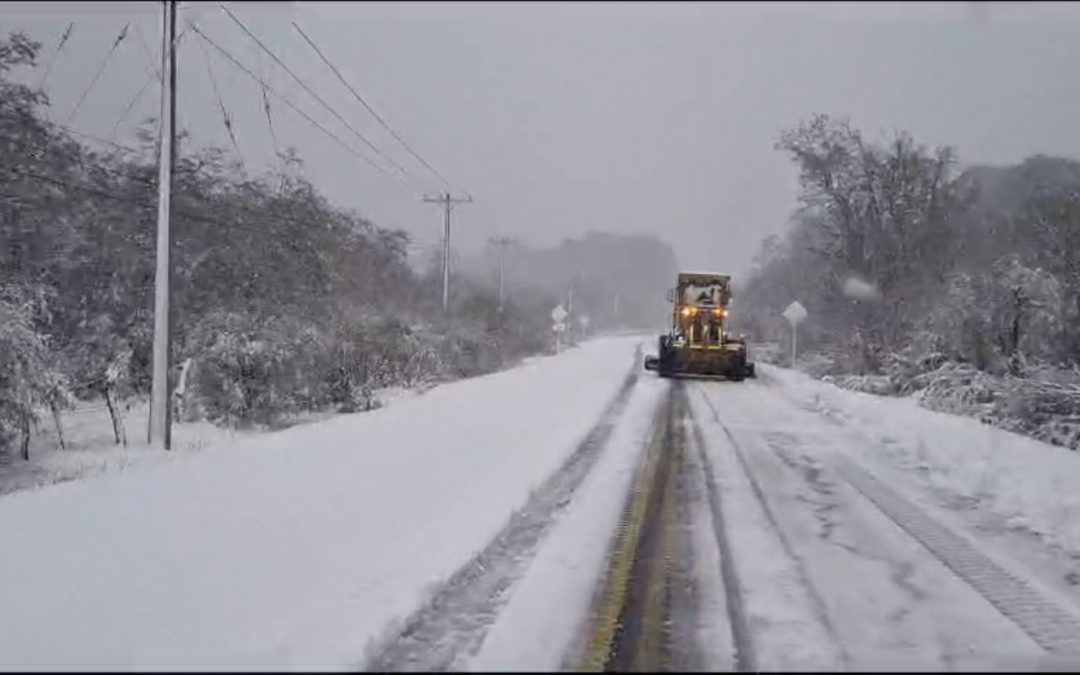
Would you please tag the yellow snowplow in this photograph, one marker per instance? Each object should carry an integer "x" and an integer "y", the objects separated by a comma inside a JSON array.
[{"x": 698, "y": 342}]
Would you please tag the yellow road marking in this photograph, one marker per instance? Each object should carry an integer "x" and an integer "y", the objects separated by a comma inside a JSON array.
[
  {"x": 651, "y": 651},
  {"x": 617, "y": 581}
]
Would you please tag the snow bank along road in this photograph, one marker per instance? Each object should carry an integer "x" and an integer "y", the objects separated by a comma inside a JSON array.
[
  {"x": 295, "y": 549},
  {"x": 573, "y": 513}
]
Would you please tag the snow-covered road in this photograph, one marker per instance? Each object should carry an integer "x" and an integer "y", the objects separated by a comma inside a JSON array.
[
  {"x": 809, "y": 547},
  {"x": 573, "y": 512},
  {"x": 841, "y": 570}
]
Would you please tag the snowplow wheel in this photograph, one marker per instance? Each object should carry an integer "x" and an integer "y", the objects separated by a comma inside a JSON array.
[{"x": 663, "y": 366}]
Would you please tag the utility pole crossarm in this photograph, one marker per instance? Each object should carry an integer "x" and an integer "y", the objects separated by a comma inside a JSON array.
[{"x": 448, "y": 201}]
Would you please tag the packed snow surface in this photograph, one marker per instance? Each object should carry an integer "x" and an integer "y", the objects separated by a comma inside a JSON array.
[
  {"x": 545, "y": 617},
  {"x": 1023, "y": 482},
  {"x": 302, "y": 548},
  {"x": 293, "y": 549}
]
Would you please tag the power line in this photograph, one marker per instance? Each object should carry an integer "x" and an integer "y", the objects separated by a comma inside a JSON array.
[
  {"x": 119, "y": 146},
  {"x": 131, "y": 104},
  {"x": 261, "y": 215},
  {"x": 56, "y": 54},
  {"x": 101, "y": 69},
  {"x": 150, "y": 60},
  {"x": 312, "y": 92},
  {"x": 270, "y": 121},
  {"x": 360, "y": 98},
  {"x": 79, "y": 160},
  {"x": 266, "y": 108},
  {"x": 154, "y": 75},
  {"x": 221, "y": 104},
  {"x": 126, "y": 200},
  {"x": 149, "y": 182},
  {"x": 72, "y": 186},
  {"x": 286, "y": 101},
  {"x": 448, "y": 203}
]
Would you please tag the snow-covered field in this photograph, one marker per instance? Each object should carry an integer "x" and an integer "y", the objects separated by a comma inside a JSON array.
[
  {"x": 91, "y": 446},
  {"x": 293, "y": 548}
]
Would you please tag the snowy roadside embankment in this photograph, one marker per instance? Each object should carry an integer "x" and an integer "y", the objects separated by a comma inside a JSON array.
[
  {"x": 92, "y": 446},
  {"x": 1043, "y": 403},
  {"x": 294, "y": 548},
  {"x": 1026, "y": 484}
]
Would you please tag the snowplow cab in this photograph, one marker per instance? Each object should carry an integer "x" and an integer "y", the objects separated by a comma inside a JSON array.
[{"x": 698, "y": 342}]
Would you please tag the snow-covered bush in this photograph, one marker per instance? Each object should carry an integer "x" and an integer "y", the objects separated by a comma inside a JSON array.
[{"x": 26, "y": 379}]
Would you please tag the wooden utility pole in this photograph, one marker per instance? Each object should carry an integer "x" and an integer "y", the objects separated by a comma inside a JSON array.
[
  {"x": 448, "y": 203},
  {"x": 159, "y": 432},
  {"x": 502, "y": 243}
]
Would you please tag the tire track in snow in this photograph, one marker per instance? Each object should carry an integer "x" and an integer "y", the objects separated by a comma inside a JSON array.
[
  {"x": 452, "y": 624},
  {"x": 745, "y": 659},
  {"x": 1046, "y": 623},
  {"x": 901, "y": 572},
  {"x": 818, "y": 604}
]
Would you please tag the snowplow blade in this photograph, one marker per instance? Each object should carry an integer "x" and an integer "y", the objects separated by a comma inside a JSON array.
[{"x": 728, "y": 362}]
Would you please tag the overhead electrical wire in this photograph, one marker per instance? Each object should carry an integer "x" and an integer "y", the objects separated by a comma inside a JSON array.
[
  {"x": 26, "y": 144},
  {"x": 221, "y": 104},
  {"x": 151, "y": 205},
  {"x": 266, "y": 108},
  {"x": 118, "y": 146},
  {"x": 56, "y": 54},
  {"x": 312, "y": 92},
  {"x": 148, "y": 205},
  {"x": 131, "y": 104},
  {"x": 151, "y": 62},
  {"x": 287, "y": 102},
  {"x": 363, "y": 102},
  {"x": 155, "y": 75},
  {"x": 270, "y": 122},
  {"x": 100, "y": 70}
]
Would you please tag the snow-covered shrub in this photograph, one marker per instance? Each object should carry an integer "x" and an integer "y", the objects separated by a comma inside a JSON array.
[
  {"x": 819, "y": 364},
  {"x": 248, "y": 368},
  {"x": 26, "y": 378},
  {"x": 881, "y": 385},
  {"x": 767, "y": 352}
]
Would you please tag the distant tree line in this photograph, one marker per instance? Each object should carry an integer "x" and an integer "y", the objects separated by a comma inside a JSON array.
[
  {"x": 617, "y": 280},
  {"x": 910, "y": 267},
  {"x": 283, "y": 302}
]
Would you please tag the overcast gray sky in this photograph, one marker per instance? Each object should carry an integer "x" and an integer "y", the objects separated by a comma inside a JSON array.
[{"x": 561, "y": 118}]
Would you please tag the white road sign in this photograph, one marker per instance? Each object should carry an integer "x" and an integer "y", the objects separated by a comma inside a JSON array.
[
  {"x": 795, "y": 313},
  {"x": 559, "y": 327},
  {"x": 558, "y": 314}
]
